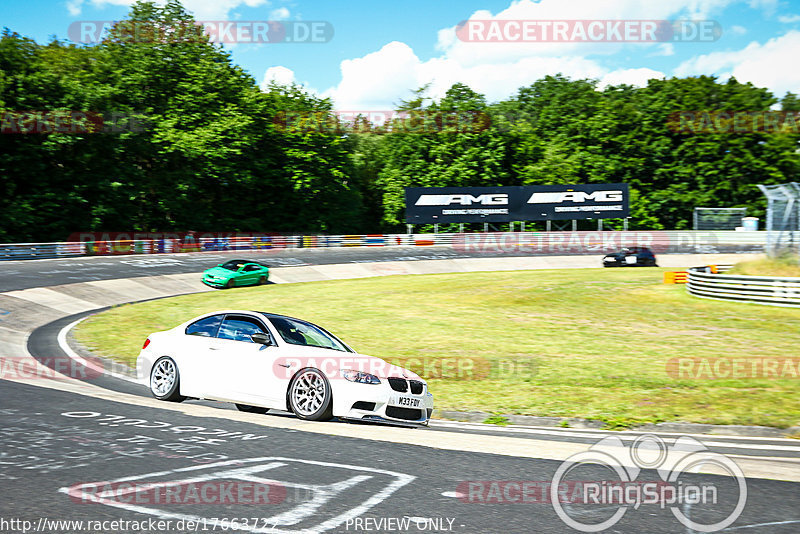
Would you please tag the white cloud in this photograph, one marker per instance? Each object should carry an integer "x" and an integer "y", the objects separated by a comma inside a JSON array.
[
  {"x": 765, "y": 65},
  {"x": 279, "y": 74},
  {"x": 767, "y": 5},
  {"x": 738, "y": 30},
  {"x": 201, "y": 9},
  {"x": 217, "y": 9},
  {"x": 665, "y": 49},
  {"x": 74, "y": 7},
  {"x": 789, "y": 19},
  {"x": 381, "y": 79},
  {"x": 279, "y": 14}
]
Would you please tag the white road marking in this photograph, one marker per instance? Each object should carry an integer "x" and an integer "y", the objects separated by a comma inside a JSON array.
[
  {"x": 322, "y": 493},
  {"x": 625, "y": 435},
  {"x": 64, "y": 346},
  {"x": 758, "y": 525}
]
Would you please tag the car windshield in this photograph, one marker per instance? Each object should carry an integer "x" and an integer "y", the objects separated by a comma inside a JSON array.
[
  {"x": 232, "y": 265},
  {"x": 302, "y": 333}
]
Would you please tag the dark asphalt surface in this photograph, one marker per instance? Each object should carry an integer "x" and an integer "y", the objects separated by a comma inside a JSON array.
[
  {"x": 43, "y": 273},
  {"x": 24, "y": 274},
  {"x": 53, "y": 443},
  {"x": 53, "y": 440}
]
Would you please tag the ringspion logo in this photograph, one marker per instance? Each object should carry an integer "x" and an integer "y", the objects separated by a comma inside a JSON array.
[{"x": 676, "y": 465}]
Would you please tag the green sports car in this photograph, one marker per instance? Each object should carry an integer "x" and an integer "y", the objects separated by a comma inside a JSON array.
[{"x": 236, "y": 273}]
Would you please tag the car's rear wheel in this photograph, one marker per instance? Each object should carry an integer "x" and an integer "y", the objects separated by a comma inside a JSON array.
[
  {"x": 251, "y": 409},
  {"x": 310, "y": 395},
  {"x": 165, "y": 380},
  {"x": 229, "y": 285},
  {"x": 262, "y": 280}
]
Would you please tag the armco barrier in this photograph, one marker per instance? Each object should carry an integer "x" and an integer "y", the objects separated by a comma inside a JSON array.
[
  {"x": 768, "y": 290},
  {"x": 490, "y": 243}
]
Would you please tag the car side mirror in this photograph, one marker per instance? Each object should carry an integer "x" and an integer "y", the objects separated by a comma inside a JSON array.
[{"x": 261, "y": 338}]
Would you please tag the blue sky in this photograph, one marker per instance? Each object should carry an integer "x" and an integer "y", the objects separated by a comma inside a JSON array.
[{"x": 382, "y": 50}]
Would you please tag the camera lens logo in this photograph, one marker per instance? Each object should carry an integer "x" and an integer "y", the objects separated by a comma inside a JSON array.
[{"x": 628, "y": 490}]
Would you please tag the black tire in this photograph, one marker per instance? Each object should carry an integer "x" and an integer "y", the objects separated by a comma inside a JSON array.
[
  {"x": 325, "y": 410},
  {"x": 230, "y": 284},
  {"x": 262, "y": 280},
  {"x": 251, "y": 409},
  {"x": 172, "y": 392}
]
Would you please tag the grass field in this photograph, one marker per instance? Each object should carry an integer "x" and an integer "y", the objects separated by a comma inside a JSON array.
[
  {"x": 590, "y": 343},
  {"x": 786, "y": 265}
]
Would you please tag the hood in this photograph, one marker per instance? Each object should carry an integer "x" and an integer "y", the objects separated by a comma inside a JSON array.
[{"x": 219, "y": 271}]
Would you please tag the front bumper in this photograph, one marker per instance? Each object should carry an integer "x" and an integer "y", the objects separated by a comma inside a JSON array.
[
  {"x": 215, "y": 282},
  {"x": 381, "y": 403}
]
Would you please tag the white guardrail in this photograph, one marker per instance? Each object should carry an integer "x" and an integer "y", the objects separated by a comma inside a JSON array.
[
  {"x": 767, "y": 290},
  {"x": 538, "y": 243}
]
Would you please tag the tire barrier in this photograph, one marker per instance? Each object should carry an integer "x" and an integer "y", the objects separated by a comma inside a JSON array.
[{"x": 703, "y": 282}]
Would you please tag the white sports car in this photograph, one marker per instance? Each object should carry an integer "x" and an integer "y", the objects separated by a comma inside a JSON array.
[{"x": 262, "y": 360}]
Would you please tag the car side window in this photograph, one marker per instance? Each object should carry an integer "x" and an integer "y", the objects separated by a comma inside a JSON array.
[
  {"x": 251, "y": 268},
  {"x": 206, "y": 327},
  {"x": 240, "y": 328}
]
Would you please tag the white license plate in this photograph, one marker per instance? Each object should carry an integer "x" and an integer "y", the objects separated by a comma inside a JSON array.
[
  {"x": 407, "y": 401},
  {"x": 630, "y": 259}
]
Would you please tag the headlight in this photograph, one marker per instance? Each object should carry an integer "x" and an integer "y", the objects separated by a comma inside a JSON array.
[{"x": 360, "y": 377}]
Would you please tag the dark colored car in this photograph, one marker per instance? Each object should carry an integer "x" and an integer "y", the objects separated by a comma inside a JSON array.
[
  {"x": 631, "y": 257},
  {"x": 237, "y": 273}
]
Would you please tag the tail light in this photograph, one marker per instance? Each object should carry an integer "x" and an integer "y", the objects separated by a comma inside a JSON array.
[{"x": 146, "y": 342}]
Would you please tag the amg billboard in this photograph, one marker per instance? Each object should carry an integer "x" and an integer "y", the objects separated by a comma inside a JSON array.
[{"x": 425, "y": 205}]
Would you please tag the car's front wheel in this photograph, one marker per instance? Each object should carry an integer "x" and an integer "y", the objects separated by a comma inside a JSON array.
[
  {"x": 310, "y": 395},
  {"x": 165, "y": 380},
  {"x": 230, "y": 284}
]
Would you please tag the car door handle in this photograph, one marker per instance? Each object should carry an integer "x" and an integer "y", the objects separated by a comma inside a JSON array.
[{"x": 213, "y": 348}]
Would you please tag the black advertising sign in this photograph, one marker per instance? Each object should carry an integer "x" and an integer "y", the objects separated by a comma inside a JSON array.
[{"x": 426, "y": 205}]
